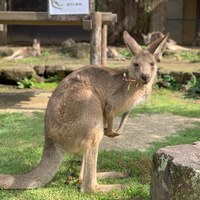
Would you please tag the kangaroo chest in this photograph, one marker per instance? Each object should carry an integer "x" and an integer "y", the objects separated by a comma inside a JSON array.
[{"x": 137, "y": 99}]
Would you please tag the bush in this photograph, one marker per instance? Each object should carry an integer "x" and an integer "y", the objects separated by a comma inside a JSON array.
[{"x": 26, "y": 83}]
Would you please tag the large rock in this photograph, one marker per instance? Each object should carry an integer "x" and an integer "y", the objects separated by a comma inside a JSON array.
[
  {"x": 182, "y": 77},
  {"x": 13, "y": 75},
  {"x": 196, "y": 74},
  {"x": 39, "y": 69},
  {"x": 176, "y": 173},
  {"x": 77, "y": 50},
  {"x": 57, "y": 70}
]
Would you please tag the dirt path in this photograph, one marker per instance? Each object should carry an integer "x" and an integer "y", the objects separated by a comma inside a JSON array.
[{"x": 138, "y": 132}]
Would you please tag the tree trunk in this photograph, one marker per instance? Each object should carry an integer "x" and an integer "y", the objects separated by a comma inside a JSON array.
[
  {"x": 158, "y": 15},
  {"x": 3, "y": 27},
  {"x": 132, "y": 17}
]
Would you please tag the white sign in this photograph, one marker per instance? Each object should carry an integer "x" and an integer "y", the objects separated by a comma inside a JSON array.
[{"x": 68, "y": 7}]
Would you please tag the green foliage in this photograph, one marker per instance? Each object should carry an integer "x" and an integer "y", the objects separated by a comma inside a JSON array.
[
  {"x": 46, "y": 86},
  {"x": 125, "y": 53},
  {"x": 26, "y": 83},
  {"x": 143, "y": 47},
  {"x": 64, "y": 54},
  {"x": 171, "y": 82},
  {"x": 194, "y": 91},
  {"x": 55, "y": 78},
  {"x": 187, "y": 56},
  {"x": 45, "y": 53}
]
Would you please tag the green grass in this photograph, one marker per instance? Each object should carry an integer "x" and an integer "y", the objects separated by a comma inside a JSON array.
[
  {"x": 21, "y": 147},
  {"x": 168, "y": 101},
  {"x": 46, "y": 86}
]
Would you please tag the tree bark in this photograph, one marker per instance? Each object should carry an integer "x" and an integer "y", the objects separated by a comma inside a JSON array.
[
  {"x": 158, "y": 15},
  {"x": 3, "y": 27},
  {"x": 132, "y": 17}
]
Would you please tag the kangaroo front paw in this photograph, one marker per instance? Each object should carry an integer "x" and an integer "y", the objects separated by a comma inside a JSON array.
[
  {"x": 110, "y": 134},
  {"x": 114, "y": 134}
]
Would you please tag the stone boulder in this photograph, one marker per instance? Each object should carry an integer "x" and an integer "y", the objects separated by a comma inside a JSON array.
[
  {"x": 175, "y": 173},
  {"x": 162, "y": 83},
  {"x": 40, "y": 70},
  {"x": 161, "y": 73},
  {"x": 182, "y": 77},
  {"x": 57, "y": 70},
  {"x": 77, "y": 50},
  {"x": 196, "y": 74},
  {"x": 13, "y": 75}
]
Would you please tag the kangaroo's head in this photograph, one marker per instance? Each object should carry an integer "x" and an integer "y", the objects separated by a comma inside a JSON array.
[
  {"x": 143, "y": 65},
  {"x": 146, "y": 38}
]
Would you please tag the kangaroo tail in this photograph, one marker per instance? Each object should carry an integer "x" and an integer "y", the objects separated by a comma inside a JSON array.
[{"x": 51, "y": 159}]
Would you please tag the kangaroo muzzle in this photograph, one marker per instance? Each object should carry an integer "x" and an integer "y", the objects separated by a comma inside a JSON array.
[{"x": 145, "y": 78}]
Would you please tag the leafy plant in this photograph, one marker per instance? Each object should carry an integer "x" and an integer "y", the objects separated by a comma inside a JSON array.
[
  {"x": 125, "y": 53},
  {"x": 55, "y": 78},
  {"x": 26, "y": 83},
  {"x": 45, "y": 53},
  {"x": 194, "y": 91},
  {"x": 187, "y": 56},
  {"x": 171, "y": 81}
]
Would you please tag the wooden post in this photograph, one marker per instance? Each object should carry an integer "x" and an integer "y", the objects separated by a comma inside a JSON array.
[
  {"x": 104, "y": 45},
  {"x": 95, "y": 39},
  {"x": 3, "y": 27}
]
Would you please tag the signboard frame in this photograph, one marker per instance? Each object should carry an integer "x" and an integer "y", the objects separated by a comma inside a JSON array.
[{"x": 75, "y": 17}]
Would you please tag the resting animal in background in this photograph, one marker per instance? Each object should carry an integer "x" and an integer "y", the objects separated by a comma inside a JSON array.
[
  {"x": 81, "y": 110},
  {"x": 25, "y": 52},
  {"x": 151, "y": 37}
]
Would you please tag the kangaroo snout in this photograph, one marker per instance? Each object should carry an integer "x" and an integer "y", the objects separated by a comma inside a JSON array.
[{"x": 145, "y": 78}]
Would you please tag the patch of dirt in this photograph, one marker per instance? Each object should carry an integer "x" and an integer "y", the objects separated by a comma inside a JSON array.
[{"x": 138, "y": 131}]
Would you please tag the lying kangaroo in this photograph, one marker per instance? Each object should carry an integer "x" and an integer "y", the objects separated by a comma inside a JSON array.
[
  {"x": 81, "y": 110},
  {"x": 26, "y": 52},
  {"x": 151, "y": 37}
]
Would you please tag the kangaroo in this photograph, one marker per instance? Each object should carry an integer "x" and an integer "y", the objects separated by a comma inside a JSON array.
[
  {"x": 151, "y": 37},
  {"x": 26, "y": 52},
  {"x": 81, "y": 110}
]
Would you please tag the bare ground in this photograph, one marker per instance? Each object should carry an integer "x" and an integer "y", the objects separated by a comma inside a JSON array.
[{"x": 138, "y": 131}]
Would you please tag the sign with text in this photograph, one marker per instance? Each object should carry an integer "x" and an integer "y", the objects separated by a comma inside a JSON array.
[{"x": 68, "y": 7}]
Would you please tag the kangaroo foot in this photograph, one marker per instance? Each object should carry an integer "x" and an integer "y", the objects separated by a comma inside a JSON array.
[{"x": 102, "y": 175}]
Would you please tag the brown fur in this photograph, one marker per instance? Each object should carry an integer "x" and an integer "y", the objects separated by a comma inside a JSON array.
[
  {"x": 81, "y": 108},
  {"x": 26, "y": 52},
  {"x": 151, "y": 37}
]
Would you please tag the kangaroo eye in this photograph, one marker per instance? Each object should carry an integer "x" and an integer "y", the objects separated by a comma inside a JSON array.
[
  {"x": 152, "y": 64},
  {"x": 135, "y": 64}
]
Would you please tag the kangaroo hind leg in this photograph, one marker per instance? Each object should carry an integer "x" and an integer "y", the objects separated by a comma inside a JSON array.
[{"x": 88, "y": 173}]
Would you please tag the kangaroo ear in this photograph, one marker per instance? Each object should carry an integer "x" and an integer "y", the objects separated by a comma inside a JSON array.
[
  {"x": 143, "y": 35},
  {"x": 131, "y": 44},
  {"x": 156, "y": 46}
]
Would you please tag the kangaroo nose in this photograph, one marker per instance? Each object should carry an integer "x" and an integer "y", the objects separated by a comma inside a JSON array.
[{"x": 145, "y": 78}]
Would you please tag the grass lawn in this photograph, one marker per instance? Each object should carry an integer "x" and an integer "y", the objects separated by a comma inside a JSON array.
[{"x": 21, "y": 147}]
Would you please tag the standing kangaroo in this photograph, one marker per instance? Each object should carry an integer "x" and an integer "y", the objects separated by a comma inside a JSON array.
[
  {"x": 26, "y": 52},
  {"x": 81, "y": 110}
]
